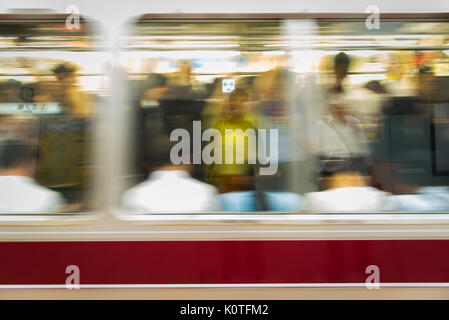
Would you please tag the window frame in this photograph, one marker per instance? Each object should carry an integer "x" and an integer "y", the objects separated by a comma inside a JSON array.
[
  {"x": 279, "y": 218},
  {"x": 58, "y": 218}
]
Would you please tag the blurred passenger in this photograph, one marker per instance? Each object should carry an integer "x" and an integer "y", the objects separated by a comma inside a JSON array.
[
  {"x": 5, "y": 128},
  {"x": 284, "y": 201},
  {"x": 428, "y": 88},
  {"x": 228, "y": 177},
  {"x": 416, "y": 192},
  {"x": 184, "y": 75},
  {"x": 407, "y": 124},
  {"x": 68, "y": 93},
  {"x": 345, "y": 190},
  {"x": 410, "y": 121},
  {"x": 149, "y": 118},
  {"x": 434, "y": 198},
  {"x": 274, "y": 87},
  {"x": 243, "y": 197},
  {"x": 10, "y": 91},
  {"x": 19, "y": 192},
  {"x": 18, "y": 127},
  {"x": 339, "y": 133},
  {"x": 154, "y": 89},
  {"x": 246, "y": 83},
  {"x": 181, "y": 83},
  {"x": 341, "y": 68},
  {"x": 214, "y": 108},
  {"x": 169, "y": 187},
  {"x": 249, "y": 198}
]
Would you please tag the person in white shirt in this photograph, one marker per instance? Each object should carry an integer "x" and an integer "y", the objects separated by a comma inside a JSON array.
[
  {"x": 19, "y": 192},
  {"x": 170, "y": 189},
  {"x": 346, "y": 191},
  {"x": 339, "y": 134},
  {"x": 341, "y": 137}
]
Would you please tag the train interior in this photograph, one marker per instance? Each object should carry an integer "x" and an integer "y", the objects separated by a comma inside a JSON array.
[
  {"x": 178, "y": 71},
  {"x": 291, "y": 75}
]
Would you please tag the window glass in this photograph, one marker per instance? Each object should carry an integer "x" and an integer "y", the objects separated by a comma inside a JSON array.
[
  {"x": 52, "y": 80},
  {"x": 287, "y": 116}
]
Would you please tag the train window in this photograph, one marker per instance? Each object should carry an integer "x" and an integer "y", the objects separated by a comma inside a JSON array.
[
  {"x": 286, "y": 115},
  {"x": 52, "y": 80}
]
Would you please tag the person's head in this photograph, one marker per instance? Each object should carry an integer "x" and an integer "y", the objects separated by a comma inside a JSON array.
[
  {"x": 17, "y": 158},
  {"x": 155, "y": 87},
  {"x": 158, "y": 154},
  {"x": 10, "y": 90},
  {"x": 237, "y": 102},
  {"x": 185, "y": 72},
  {"x": 341, "y": 67},
  {"x": 65, "y": 74},
  {"x": 339, "y": 173},
  {"x": 185, "y": 67},
  {"x": 215, "y": 88},
  {"x": 426, "y": 86}
]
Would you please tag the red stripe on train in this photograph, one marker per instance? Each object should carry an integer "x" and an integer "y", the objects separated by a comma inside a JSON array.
[{"x": 200, "y": 262}]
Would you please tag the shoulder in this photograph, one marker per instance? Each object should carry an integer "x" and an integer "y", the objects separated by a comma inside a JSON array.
[
  {"x": 135, "y": 196},
  {"x": 139, "y": 188},
  {"x": 44, "y": 199},
  {"x": 41, "y": 191},
  {"x": 317, "y": 195},
  {"x": 318, "y": 200}
]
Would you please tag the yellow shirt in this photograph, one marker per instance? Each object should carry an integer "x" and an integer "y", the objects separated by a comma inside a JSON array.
[{"x": 234, "y": 142}]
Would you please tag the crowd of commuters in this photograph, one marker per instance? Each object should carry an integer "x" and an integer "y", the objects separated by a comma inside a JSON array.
[
  {"x": 44, "y": 141},
  {"x": 345, "y": 175}
]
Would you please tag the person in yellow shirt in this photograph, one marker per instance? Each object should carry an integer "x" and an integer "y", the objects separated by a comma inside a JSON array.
[{"x": 235, "y": 176}]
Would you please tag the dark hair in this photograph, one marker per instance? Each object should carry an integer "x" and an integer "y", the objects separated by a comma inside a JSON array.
[
  {"x": 331, "y": 166},
  {"x": 155, "y": 80},
  {"x": 342, "y": 59},
  {"x": 238, "y": 93},
  {"x": 63, "y": 68},
  {"x": 14, "y": 152},
  {"x": 425, "y": 70},
  {"x": 157, "y": 151},
  {"x": 247, "y": 82}
]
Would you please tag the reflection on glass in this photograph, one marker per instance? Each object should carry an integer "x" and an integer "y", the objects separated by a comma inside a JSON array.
[
  {"x": 51, "y": 80},
  {"x": 360, "y": 115}
]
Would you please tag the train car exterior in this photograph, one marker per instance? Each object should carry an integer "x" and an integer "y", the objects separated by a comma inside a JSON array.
[{"x": 108, "y": 253}]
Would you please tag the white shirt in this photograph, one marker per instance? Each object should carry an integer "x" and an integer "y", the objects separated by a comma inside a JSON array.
[
  {"x": 341, "y": 140},
  {"x": 23, "y": 195},
  {"x": 171, "y": 191},
  {"x": 347, "y": 199}
]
